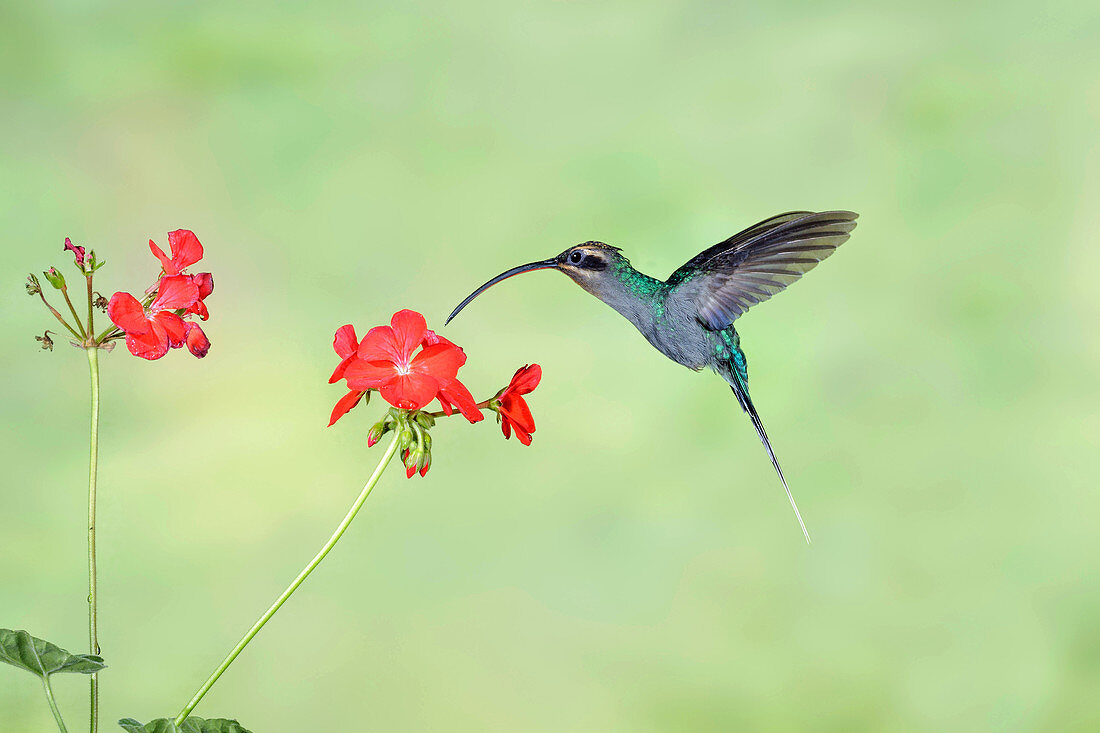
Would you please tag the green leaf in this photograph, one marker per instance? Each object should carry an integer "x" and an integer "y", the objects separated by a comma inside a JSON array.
[
  {"x": 20, "y": 649},
  {"x": 191, "y": 725}
]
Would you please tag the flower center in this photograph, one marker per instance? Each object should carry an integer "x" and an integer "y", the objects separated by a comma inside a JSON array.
[{"x": 403, "y": 369}]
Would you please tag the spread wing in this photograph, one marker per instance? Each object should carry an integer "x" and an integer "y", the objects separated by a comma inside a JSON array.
[{"x": 726, "y": 280}]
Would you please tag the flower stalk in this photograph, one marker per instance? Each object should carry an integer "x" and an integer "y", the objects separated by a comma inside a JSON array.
[
  {"x": 93, "y": 465},
  {"x": 391, "y": 450}
]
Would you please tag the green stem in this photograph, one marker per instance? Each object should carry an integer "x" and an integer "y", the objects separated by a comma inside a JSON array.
[
  {"x": 93, "y": 462},
  {"x": 91, "y": 319},
  {"x": 57, "y": 315},
  {"x": 480, "y": 405},
  {"x": 390, "y": 451},
  {"x": 53, "y": 704},
  {"x": 76, "y": 317},
  {"x": 101, "y": 338}
]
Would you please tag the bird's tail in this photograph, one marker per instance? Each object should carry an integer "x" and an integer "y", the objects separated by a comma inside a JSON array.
[{"x": 741, "y": 391}]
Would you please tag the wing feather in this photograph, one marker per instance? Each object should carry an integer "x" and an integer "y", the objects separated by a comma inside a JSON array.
[{"x": 753, "y": 265}]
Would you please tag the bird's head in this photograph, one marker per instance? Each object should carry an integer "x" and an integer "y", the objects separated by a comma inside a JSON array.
[{"x": 587, "y": 264}]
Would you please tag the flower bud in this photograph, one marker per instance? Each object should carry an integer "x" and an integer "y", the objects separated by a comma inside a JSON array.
[
  {"x": 408, "y": 438},
  {"x": 55, "y": 278},
  {"x": 410, "y": 459},
  {"x": 78, "y": 253},
  {"x": 424, "y": 420},
  {"x": 424, "y": 462},
  {"x": 427, "y": 441},
  {"x": 377, "y": 430},
  {"x": 33, "y": 286}
]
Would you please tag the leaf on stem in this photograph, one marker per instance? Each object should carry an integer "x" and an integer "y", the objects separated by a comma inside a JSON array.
[
  {"x": 20, "y": 649},
  {"x": 192, "y": 725}
]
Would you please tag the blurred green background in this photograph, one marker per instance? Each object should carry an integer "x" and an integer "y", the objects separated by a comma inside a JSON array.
[{"x": 931, "y": 390}]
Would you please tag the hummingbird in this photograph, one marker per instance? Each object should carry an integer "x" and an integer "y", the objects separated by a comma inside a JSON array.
[{"x": 689, "y": 316}]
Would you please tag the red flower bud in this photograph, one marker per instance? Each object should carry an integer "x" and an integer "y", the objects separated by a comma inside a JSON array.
[
  {"x": 196, "y": 340},
  {"x": 78, "y": 253},
  {"x": 55, "y": 278}
]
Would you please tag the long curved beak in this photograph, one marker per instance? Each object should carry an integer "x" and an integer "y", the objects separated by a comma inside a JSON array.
[{"x": 529, "y": 267}]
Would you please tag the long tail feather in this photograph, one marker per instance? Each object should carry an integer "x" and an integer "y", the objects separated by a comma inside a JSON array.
[{"x": 743, "y": 398}]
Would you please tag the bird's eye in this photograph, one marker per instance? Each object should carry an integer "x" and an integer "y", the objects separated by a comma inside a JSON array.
[{"x": 575, "y": 257}]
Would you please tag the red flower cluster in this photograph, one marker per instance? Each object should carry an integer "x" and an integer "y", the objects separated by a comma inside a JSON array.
[
  {"x": 406, "y": 362},
  {"x": 410, "y": 365},
  {"x": 158, "y": 323}
]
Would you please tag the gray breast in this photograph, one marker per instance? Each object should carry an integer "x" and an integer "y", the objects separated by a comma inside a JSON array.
[{"x": 684, "y": 341}]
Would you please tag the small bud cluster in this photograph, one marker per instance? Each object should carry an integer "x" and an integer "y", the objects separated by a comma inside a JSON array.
[
  {"x": 80, "y": 327},
  {"x": 413, "y": 439}
]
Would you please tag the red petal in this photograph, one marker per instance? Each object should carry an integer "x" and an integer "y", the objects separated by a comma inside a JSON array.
[
  {"x": 199, "y": 309},
  {"x": 205, "y": 283},
  {"x": 348, "y": 401},
  {"x": 409, "y": 391},
  {"x": 338, "y": 374},
  {"x": 431, "y": 338},
  {"x": 185, "y": 247},
  {"x": 440, "y": 361},
  {"x": 344, "y": 341},
  {"x": 125, "y": 311},
  {"x": 455, "y": 391},
  {"x": 175, "y": 291},
  {"x": 380, "y": 344},
  {"x": 148, "y": 345},
  {"x": 197, "y": 343},
  {"x": 173, "y": 327},
  {"x": 526, "y": 379},
  {"x": 363, "y": 374},
  {"x": 516, "y": 410},
  {"x": 165, "y": 261},
  {"x": 506, "y": 426},
  {"x": 408, "y": 330}
]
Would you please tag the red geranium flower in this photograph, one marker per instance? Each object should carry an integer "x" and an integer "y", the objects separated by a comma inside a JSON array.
[
  {"x": 186, "y": 251},
  {"x": 149, "y": 334},
  {"x": 388, "y": 360},
  {"x": 513, "y": 411},
  {"x": 408, "y": 364}
]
